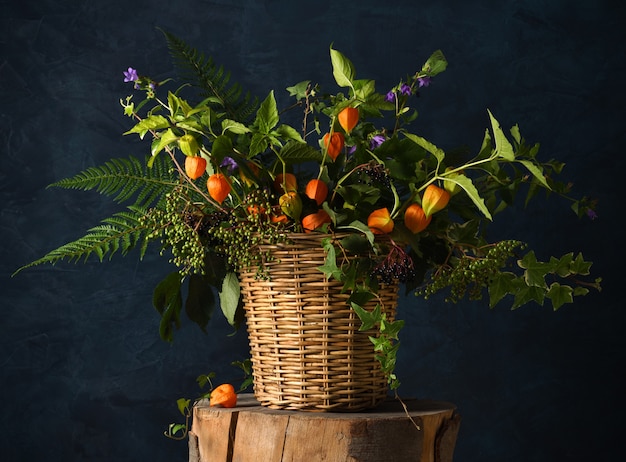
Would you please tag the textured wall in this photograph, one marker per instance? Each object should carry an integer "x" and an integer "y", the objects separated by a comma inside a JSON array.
[{"x": 84, "y": 375}]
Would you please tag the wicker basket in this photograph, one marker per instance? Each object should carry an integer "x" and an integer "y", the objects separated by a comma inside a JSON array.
[{"x": 306, "y": 348}]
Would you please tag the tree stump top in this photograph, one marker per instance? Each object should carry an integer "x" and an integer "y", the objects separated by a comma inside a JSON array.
[{"x": 250, "y": 432}]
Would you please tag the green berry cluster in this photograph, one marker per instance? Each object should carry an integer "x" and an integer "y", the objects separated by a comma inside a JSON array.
[{"x": 471, "y": 271}]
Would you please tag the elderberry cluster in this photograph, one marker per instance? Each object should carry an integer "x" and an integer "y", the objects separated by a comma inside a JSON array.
[
  {"x": 397, "y": 266},
  {"x": 374, "y": 173}
]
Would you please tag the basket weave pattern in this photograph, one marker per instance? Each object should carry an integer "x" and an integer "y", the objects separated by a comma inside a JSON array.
[{"x": 306, "y": 348}]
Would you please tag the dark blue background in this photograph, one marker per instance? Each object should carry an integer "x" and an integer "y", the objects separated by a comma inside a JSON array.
[{"x": 84, "y": 374}]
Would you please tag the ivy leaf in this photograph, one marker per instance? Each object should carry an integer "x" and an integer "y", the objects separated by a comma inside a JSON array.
[
  {"x": 267, "y": 115},
  {"x": 343, "y": 69},
  {"x": 183, "y": 405},
  {"x": 299, "y": 89},
  {"x": 562, "y": 265},
  {"x": 369, "y": 319},
  {"x": 504, "y": 148},
  {"x": 330, "y": 268},
  {"x": 580, "y": 266},
  {"x": 501, "y": 285},
  {"x": 229, "y": 297},
  {"x": 391, "y": 329},
  {"x": 527, "y": 294},
  {"x": 560, "y": 294},
  {"x": 535, "y": 271}
]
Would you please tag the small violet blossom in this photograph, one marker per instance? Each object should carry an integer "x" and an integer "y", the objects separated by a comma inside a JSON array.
[
  {"x": 131, "y": 75},
  {"x": 591, "y": 214},
  {"x": 405, "y": 89},
  {"x": 423, "y": 81},
  {"x": 229, "y": 163},
  {"x": 390, "y": 96},
  {"x": 376, "y": 141}
]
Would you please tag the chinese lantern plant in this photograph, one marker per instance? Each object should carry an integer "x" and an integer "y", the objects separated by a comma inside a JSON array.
[{"x": 224, "y": 174}]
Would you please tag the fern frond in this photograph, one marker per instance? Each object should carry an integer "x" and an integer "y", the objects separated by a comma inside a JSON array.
[
  {"x": 214, "y": 80},
  {"x": 118, "y": 233},
  {"x": 125, "y": 178}
]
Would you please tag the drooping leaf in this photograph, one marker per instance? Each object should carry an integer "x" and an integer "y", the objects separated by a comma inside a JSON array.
[
  {"x": 229, "y": 297},
  {"x": 200, "y": 301}
]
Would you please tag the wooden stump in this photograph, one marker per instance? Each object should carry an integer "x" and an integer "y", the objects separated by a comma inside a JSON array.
[{"x": 250, "y": 432}]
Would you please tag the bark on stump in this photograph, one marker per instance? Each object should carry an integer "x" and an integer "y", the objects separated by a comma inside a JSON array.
[{"x": 250, "y": 432}]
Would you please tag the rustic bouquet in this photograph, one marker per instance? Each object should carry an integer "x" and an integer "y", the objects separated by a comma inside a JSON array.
[{"x": 225, "y": 177}]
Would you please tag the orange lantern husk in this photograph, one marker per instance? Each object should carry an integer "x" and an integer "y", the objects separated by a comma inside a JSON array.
[
  {"x": 348, "y": 118},
  {"x": 316, "y": 190},
  {"x": 219, "y": 187},
  {"x": 415, "y": 219},
  {"x": 224, "y": 396},
  {"x": 380, "y": 222},
  {"x": 434, "y": 199},
  {"x": 334, "y": 144},
  {"x": 315, "y": 220},
  {"x": 195, "y": 166}
]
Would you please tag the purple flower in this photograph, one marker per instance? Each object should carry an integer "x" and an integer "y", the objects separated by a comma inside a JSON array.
[
  {"x": 229, "y": 163},
  {"x": 376, "y": 141},
  {"x": 423, "y": 81},
  {"x": 592, "y": 214},
  {"x": 131, "y": 75},
  {"x": 405, "y": 89},
  {"x": 390, "y": 96}
]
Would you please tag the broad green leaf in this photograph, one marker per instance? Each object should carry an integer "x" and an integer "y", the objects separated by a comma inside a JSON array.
[
  {"x": 222, "y": 147},
  {"x": 150, "y": 123},
  {"x": 267, "y": 115},
  {"x": 287, "y": 132},
  {"x": 436, "y": 64},
  {"x": 167, "y": 137},
  {"x": 233, "y": 126},
  {"x": 504, "y": 148},
  {"x": 258, "y": 144},
  {"x": 167, "y": 299},
  {"x": 427, "y": 145},
  {"x": 183, "y": 405},
  {"x": 343, "y": 70},
  {"x": 229, "y": 297},
  {"x": 200, "y": 301}
]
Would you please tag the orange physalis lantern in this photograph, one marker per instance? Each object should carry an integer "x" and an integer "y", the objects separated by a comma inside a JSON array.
[
  {"x": 334, "y": 144},
  {"x": 218, "y": 186},
  {"x": 348, "y": 118},
  {"x": 415, "y": 219},
  {"x": 434, "y": 199},
  {"x": 224, "y": 396},
  {"x": 380, "y": 222},
  {"x": 315, "y": 220},
  {"x": 195, "y": 166},
  {"x": 316, "y": 190}
]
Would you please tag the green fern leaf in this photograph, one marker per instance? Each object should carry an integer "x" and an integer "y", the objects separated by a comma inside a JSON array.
[
  {"x": 213, "y": 80},
  {"x": 118, "y": 233},
  {"x": 125, "y": 178}
]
